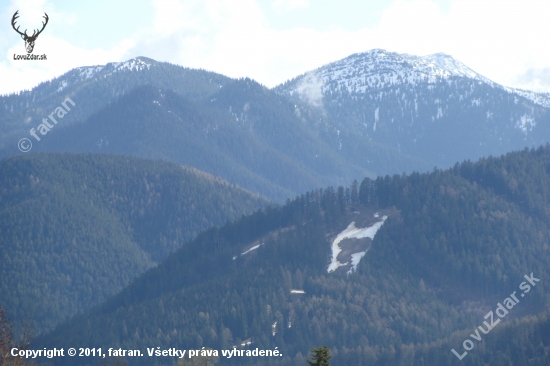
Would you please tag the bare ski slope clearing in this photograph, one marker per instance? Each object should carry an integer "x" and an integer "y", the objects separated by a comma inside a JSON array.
[{"x": 351, "y": 232}]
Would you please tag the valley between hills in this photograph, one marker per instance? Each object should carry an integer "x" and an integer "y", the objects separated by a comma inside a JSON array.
[{"x": 382, "y": 205}]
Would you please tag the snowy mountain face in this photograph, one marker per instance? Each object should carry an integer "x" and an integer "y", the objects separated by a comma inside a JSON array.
[
  {"x": 433, "y": 108},
  {"x": 82, "y": 74},
  {"x": 363, "y": 73},
  {"x": 378, "y": 69}
]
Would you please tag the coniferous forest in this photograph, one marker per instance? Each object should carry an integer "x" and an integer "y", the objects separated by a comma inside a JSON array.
[
  {"x": 456, "y": 243},
  {"x": 77, "y": 228}
]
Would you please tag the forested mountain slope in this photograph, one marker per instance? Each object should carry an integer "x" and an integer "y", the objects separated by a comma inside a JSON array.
[
  {"x": 236, "y": 129},
  {"x": 77, "y": 228},
  {"x": 92, "y": 88},
  {"x": 245, "y": 134},
  {"x": 432, "y": 108},
  {"x": 372, "y": 113},
  {"x": 448, "y": 247}
]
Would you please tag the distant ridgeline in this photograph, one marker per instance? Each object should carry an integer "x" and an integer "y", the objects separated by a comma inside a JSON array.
[
  {"x": 455, "y": 244},
  {"x": 369, "y": 114},
  {"x": 77, "y": 228}
]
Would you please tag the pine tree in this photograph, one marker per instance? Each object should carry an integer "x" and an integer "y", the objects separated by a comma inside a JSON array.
[
  {"x": 320, "y": 356},
  {"x": 354, "y": 193}
]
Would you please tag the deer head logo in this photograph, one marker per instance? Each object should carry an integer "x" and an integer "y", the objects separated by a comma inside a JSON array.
[{"x": 29, "y": 40}]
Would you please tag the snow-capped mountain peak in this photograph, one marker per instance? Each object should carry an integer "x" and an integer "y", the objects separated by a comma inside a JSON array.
[
  {"x": 377, "y": 69},
  {"x": 81, "y": 74}
]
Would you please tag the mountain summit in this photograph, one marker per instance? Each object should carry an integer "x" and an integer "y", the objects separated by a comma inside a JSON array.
[
  {"x": 376, "y": 69},
  {"x": 432, "y": 108},
  {"x": 84, "y": 73}
]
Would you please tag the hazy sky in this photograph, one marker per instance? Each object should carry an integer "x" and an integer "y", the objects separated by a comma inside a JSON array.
[{"x": 274, "y": 40}]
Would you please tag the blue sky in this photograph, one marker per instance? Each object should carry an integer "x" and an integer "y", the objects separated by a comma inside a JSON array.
[{"x": 274, "y": 40}]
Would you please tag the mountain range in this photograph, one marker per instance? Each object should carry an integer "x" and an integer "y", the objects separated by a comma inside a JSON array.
[
  {"x": 173, "y": 207},
  {"x": 370, "y": 114},
  {"x": 400, "y": 272}
]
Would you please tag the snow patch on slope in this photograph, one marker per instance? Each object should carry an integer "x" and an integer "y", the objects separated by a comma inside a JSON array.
[
  {"x": 62, "y": 86},
  {"x": 526, "y": 123},
  {"x": 352, "y": 232},
  {"x": 542, "y": 99},
  {"x": 248, "y": 251},
  {"x": 84, "y": 73},
  {"x": 355, "y": 259}
]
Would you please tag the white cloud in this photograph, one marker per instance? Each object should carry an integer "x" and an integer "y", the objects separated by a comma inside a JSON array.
[
  {"x": 537, "y": 79},
  {"x": 495, "y": 38},
  {"x": 290, "y": 4},
  {"x": 311, "y": 89},
  {"x": 62, "y": 56},
  {"x": 238, "y": 42},
  {"x": 30, "y": 12},
  {"x": 503, "y": 40},
  {"x": 499, "y": 39}
]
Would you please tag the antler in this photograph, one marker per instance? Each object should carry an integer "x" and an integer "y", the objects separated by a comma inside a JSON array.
[
  {"x": 44, "y": 24},
  {"x": 15, "y": 16},
  {"x": 34, "y": 34}
]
